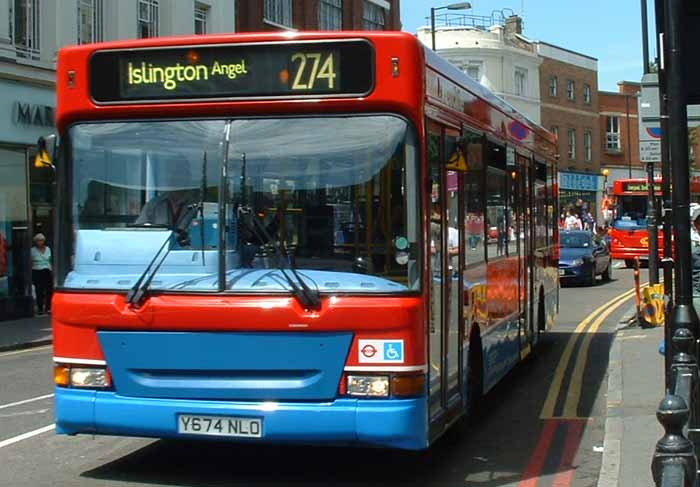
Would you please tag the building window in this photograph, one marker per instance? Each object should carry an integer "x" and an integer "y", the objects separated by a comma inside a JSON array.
[
  {"x": 279, "y": 12},
  {"x": 201, "y": 16},
  {"x": 148, "y": 18},
  {"x": 520, "y": 82},
  {"x": 473, "y": 69},
  {"x": 555, "y": 132},
  {"x": 570, "y": 89},
  {"x": 330, "y": 15},
  {"x": 587, "y": 94},
  {"x": 572, "y": 143},
  {"x": 25, "y": 29},
  {"x": 89, "y": 21},
  {"x": 612, "y": 134},
  {"x": 372, "y": 16},
  {"x": 588, "y": 145},
  {"x": 553, "y": 86}
]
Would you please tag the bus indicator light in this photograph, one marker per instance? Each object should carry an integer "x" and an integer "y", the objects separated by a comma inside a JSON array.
[{"x": 284, "y": 77}]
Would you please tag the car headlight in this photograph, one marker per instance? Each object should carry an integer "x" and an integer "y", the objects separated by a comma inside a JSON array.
[{"x": 577, "y": 262}]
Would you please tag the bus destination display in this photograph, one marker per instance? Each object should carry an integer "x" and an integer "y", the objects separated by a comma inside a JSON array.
[
  {"x": 635, "y": 187},
  {"x": 231, "y": 71}
]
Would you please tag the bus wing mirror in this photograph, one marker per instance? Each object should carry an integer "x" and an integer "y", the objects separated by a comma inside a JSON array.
[{"x": 46, "y": 151}]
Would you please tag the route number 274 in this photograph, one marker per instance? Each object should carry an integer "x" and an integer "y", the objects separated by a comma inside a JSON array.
[{"x": 313, "y": 68}]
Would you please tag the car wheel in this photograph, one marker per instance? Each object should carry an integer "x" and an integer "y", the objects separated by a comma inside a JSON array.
[
  {"x": 607, "y": 274},
  {"x": 629, "y": 263}
]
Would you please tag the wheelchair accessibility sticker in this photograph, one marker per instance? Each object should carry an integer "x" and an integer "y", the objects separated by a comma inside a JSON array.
[{"x": 381, "y": 351}]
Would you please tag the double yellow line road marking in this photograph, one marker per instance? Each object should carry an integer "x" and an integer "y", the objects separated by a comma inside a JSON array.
[{"x": 573, "y": 395}]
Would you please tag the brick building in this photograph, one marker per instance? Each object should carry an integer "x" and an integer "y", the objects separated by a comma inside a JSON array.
[
  {"x": 569, "y": 108},
  {"x": 264, "y": 15},
  {"x": 619, "y": 131}
]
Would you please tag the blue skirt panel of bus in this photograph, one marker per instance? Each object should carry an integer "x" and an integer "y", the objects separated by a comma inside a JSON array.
[
  {"x": 232, "y": 366},
  {"x": 501, "y": 351},
  {"x": 395, "y": 423}
]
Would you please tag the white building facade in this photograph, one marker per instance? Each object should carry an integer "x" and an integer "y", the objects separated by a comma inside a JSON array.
[
  {"x": 31, "y": 33},
  {"x": 499, "y": 57}
]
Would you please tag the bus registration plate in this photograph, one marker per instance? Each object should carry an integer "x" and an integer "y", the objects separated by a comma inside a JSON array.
[{"x": 219, "y": 426}]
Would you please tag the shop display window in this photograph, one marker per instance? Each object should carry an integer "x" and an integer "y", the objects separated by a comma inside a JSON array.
[{"x": 13, "y": 224}]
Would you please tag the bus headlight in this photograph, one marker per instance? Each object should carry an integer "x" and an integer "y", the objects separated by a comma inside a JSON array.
[
  {"x": 82, "y": 377},
  {"x": 93, "y": 378},
  {"x": 368, "y": 385}
]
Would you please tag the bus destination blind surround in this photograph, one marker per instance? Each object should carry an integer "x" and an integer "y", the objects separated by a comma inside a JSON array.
[{"x": 272, "y": 70}]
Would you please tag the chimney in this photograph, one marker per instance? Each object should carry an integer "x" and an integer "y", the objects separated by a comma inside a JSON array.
[{"x": 514, "y": 25}]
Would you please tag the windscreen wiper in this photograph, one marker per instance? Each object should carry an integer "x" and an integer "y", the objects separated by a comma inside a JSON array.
[
  {"x": 306, "y": 296},
  {"x": 136, "y": 293}
]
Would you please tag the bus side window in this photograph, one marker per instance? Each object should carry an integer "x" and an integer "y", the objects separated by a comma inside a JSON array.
[
  {"x": 496, "y": 201},
  {"x": 473, "y": 181}
]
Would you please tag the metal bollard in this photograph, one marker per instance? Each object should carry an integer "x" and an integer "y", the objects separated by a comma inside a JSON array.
[
  {"x": 674, "y": 463},
  {"x": 684, "y": 380}
]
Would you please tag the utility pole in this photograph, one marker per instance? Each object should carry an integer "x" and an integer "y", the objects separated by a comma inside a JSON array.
[
  {"x": 652, "y": 221},
  {"x": 645, "y": 38},
  {"x": 667, "y": 204},
  {"x": 684, "y": 314}
]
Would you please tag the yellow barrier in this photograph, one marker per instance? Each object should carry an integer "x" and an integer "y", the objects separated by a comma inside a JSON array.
[{"x": 651, "y": 309}]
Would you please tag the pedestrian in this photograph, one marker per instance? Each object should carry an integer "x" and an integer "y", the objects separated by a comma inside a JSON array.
[
  {"x": 42, "y": 275},
  {"x": 587, "y": 219},
  {"x": 572, "y": 222},
  {"x": 607, "y": 209},
  {"x": 578, "y": 208},
  {"x": 695, "y": 247}
]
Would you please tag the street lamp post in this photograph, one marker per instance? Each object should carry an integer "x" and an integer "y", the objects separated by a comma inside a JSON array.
[{"x": 452, "y": 6}]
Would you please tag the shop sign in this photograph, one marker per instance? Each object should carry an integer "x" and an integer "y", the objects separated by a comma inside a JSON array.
[
  {"x": 31, "y": 114},
  {"x": 578, "y": 181}
]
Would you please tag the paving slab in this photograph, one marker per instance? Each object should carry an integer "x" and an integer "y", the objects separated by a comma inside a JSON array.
[
  {"x": 25, "y": 333},
  {"x": 635, "y": 388}
]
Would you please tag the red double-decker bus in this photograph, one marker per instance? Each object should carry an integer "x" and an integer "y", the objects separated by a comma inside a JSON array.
[
  {"x": 283, "y": 238},
  {"x": 629, "y": 233}
]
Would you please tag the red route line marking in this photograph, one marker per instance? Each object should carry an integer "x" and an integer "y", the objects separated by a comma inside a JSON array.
[
  {"x": 534, "y": 467},
  {"x": 566, "y": 472}
]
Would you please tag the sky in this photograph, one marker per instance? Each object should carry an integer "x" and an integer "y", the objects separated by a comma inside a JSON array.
[{"x": 609, "y": 30}]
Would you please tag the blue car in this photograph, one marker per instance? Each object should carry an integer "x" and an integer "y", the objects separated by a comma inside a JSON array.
[{"x": 582, "y": 257}]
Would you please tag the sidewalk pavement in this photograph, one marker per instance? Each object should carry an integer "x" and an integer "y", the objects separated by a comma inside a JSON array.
[
  {"x": 25, "y": 333},
  {"x": 635, "y": 388}
]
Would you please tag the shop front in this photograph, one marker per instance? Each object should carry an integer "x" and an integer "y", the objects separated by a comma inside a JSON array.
[
  {"x": 26, "y": 193},
  {"x": 576, "y": 185}
]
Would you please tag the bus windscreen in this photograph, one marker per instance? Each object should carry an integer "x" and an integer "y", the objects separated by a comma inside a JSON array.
[
  {"x": 631, "y": 212},
  {"x": 233, "y": 71}
]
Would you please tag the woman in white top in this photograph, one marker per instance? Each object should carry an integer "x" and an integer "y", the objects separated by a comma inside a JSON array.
[
  {"x": 42, "y": 274},
  {"x": 572, "y": 222}
]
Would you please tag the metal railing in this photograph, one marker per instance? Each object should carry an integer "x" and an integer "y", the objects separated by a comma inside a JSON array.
[
  {"x": 479, "y": 22},
  {"x": 675, "y": 463}
]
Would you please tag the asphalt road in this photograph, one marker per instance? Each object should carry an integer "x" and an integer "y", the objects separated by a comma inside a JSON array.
[{"x": 542, "y": 426}]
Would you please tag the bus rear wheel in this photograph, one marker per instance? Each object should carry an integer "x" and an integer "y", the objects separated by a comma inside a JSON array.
[{"x": 629, "y": 263}]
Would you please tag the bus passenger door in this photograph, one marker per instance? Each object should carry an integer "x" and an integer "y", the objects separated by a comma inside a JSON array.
[
  {"x": 445, "y": 297},
  {"x": 455, "y": 165},
  {"x": 435, "y": 338},
  {"x": 524, "y": 231}
]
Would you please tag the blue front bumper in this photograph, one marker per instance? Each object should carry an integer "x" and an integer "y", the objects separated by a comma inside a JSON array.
[
  {"x": 575, "y": 273},
  {"x": 395, "y": 423}
]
